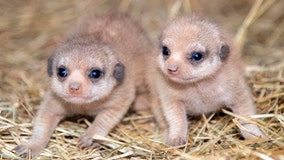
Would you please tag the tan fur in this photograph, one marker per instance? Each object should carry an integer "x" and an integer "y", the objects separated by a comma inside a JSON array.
[
  {"x": 100, "y": 42},
  {"x": 181, "y": 86}
]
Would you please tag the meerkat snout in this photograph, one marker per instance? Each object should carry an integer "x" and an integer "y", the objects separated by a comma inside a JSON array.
[
  {"x": 173, "y": 69},
  {"x": 171, "y": 62},
  {"x": 74, "y": 83},
  {"x": 75, "y": 88}
]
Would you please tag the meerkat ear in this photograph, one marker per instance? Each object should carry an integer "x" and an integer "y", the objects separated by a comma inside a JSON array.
[
  {"x": 118, "y": 72},
  {"x": 224, "y": 51},
  {"x": 49, "y": 66}
]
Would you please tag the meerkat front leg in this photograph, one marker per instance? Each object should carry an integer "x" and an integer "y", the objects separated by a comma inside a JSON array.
[
  {"x": 246, "y": 108},
  {"x": 158, "y": 113},
  {"x": 250, "y": 130},
  {"x": 102, "y": 125},
  {"x": 45, "y": 123},
  {"x": 177, "y": 120}
]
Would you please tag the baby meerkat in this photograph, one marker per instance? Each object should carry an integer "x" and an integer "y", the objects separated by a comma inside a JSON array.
[
  {"x": 97, "y": 71},
  {"x": 197, "y": 71}
]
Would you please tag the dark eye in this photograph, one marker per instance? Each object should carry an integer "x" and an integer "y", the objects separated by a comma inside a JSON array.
[
  {"x": 165, "y": 51},
  {"x": 95, "y": 73},
  {"x": 62, "y": 72},
  {"x": 196, "y": 56}
]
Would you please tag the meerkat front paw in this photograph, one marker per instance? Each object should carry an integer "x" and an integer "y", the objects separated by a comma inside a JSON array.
[
  {"x": 176, "y": 140},
  {"x": 252, "y": 131},
  {"x": 27, "y": 150},
  {"x": 86, "y": 141},
  {"x": 22, "y": 151}
]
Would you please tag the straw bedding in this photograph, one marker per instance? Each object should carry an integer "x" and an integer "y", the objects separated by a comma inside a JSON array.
[{"x": 30, "y": 30}]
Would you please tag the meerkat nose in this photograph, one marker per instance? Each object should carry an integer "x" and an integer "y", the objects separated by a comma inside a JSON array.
[
  {"x": 173, "y": 69},
  {"x": 75, "y": 88}
]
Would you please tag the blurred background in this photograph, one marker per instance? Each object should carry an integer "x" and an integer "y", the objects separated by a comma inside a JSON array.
[{"x": 30, "y": 30}]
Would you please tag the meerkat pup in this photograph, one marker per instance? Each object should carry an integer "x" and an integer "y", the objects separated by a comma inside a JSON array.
[
  {"x": 196, "y": 71},
  {"x": 96, "y": 71}
]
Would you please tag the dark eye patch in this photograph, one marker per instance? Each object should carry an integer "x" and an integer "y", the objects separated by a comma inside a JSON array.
[
  {"x": 62, "y": 72},
  {"x": 95, "y": 74},
  {"x": 196, "y": 56},
  {"x": 165, "y": 52}
]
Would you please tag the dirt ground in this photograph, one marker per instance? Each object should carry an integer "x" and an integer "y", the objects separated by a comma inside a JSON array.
[{"x": 30, "y": 30}]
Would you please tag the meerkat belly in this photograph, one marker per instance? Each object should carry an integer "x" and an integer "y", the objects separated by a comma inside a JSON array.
[
  {"x": 205, "y": 100},
  {"x": 199, "y": 105}
]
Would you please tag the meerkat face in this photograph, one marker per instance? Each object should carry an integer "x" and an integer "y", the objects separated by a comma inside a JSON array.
[
  {"x": 191, "y": 52},
  {"x": 84, "y": 74}
]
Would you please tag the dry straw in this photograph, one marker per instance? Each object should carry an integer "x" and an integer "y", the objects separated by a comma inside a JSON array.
[{"x": 30, "y": 29}]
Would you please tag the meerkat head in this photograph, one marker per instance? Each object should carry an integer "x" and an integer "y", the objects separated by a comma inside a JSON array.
[
  {"x": 83, "y": 71},
  {"x": 191, "y": 49}
]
